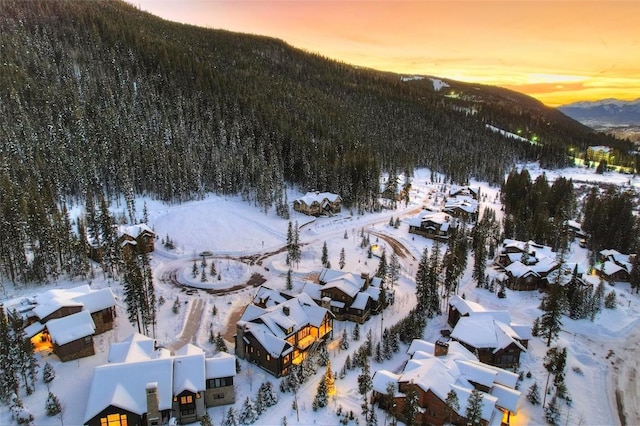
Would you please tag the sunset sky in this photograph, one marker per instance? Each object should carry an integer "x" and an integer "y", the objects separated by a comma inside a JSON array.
[{"x": 555, "y": 51}]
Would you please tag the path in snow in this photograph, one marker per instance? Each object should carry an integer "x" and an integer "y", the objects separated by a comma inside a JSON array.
[
  {"x": 624, "y": 377},
  {"x": 192, "y": 323}
]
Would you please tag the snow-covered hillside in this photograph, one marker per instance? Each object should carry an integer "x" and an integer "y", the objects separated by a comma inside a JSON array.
[{"x": 233, "y": 231}]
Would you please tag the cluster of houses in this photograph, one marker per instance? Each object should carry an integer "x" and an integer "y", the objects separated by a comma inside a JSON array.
[
  {"x": 482, "y": 345},
  {"x": 278, "y": 330},
  {"x": 65, "y": 320},
  {"x": 138, "y": 239}
]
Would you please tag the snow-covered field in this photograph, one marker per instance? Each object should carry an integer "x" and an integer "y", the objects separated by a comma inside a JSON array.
[{"x": 230, "y": 228}]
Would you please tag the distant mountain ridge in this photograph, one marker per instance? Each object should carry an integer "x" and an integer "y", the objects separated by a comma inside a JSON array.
[{"x": 604, "y": 113}]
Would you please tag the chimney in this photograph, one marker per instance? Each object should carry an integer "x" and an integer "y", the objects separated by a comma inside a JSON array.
[
  {"x": 441, "y": 348},
  {"x": 153, "y": 405},
  {"x": 286, "y": 311}
]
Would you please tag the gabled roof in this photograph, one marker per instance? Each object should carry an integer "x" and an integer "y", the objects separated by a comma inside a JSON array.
[
  {"x": 317, "y": 197},
  {"x": 82, "y": 296},
  {"x": 123, "y": 385},
  {"x": 134, "y": 230},
  {"x": 188, "y": 370},
  {"x": 97, "y": 300},
  {"x": 457, "y": 371},
  {"x": 485, "y": 332},
  {"x": 465, "y": 306},
  {"x": 70, "y": 328},
  {"x": 221, "y": 364}
]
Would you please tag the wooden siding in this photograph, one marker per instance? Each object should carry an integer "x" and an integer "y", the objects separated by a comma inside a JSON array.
[{"x": 73, "y": 350}]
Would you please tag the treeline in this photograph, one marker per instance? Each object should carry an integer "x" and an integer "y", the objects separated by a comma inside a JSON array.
[{"x": 103, "y": 100}]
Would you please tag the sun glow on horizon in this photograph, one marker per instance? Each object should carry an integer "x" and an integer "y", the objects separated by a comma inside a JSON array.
[{"x": 558, "y": 52}]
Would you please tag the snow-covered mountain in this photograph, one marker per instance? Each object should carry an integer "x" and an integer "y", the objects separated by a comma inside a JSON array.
[{"x": 605, "y": 112}]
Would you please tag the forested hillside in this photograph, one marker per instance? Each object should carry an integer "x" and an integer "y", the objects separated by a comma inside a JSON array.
[{"x": 99, "y": 99}]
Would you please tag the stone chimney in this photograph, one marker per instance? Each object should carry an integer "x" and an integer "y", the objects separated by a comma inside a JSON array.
[
  {"x": 153, "y": 405},
  {"x": 326, "y": 303},
  {"x": 285, "y": 310},
  {"x": 441, "y": 348}
]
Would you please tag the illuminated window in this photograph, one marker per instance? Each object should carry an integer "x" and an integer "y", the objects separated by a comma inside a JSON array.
[
  {"x": 268, "y": 357},
  {"x": 188, "y": 399},
  {"x": 114, "y": 420}
]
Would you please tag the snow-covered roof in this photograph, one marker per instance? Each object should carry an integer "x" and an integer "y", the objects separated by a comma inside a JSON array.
[
  {"x": 189, "y": 371},
  {"x": 317, "y": 197},
  {"x": 135, "y": 348},
  {"x": 381, "y": 380},
  {"x": 464, "y": 306},
  {"x": 268, "y": 296},
  {"x": 124, "y": 385},
  {"x": 361, "y": 301},
  {"x": 464, "y": 203},
  {"x": 480, "y": 331},
  {"x": 133, "y": 230},
  {"x": 70, "y": 328},
  {"x": 221, "y": 364},
  {"x": 609, "y": 267},
  {"x": 519, "y": 270},
  {"x": 33, "y": 329},
  {"x": 440, "y": 218},
  {"x": 82, "y": 296},
  {"x": 97, "y": 300},
  {"x": 456, "y": 371}
]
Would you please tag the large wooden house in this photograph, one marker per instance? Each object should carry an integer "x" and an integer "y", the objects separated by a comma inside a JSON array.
[
  {"x": 613, "y": 265},
  {"x": 437, "y": 226},
  {"x": 462, "y": 207},
  {"x": 527, "y": 265},
  {"x": 146, "y": 385},
  {"x": 350, "y": 297},
  {"x": 491, "y": 335},
  {"x": 57, "y": 315},
  {"x": 131, "y": 239},
  {"x": 434, "y": 371},
  {"x": 318, "y": 204},
  {"x": 282, "y": 331}
]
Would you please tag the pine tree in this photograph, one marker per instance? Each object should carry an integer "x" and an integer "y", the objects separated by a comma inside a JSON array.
[
  {"x": 411, "y": 407},
  {"x": 22, "y": 353},
  {"x": 552, "y": 411},
  {"x": 344, "y": 340},
  {"x": 289, "y": 280},
  {"x": 341, "y": 263},
  {"x": 356, "y": 332},
  {"x": 176, "y": 306},
  {"x": 329, "y": 379},
  {"x": 533, "y": 396},
  {"x": 48, "y": 374},
  {"x": 394, "y": 270},
  {"x": 473, "y": 412},
  {"x": 20, "y": 414},
  {"x": 206, "y": 420},
  {"x": 8, "y": 376},
  {"x": 381, "y": 272},
  {"x": 610, "y": 301},
  {"x": 550, "y": 322},
  {"x": 249, "y": 414},
  {"x": 269, "y": 395},
  {"x": 194, "y": 270},
  {"x": 325, "y": 255},
  {"x": 212, "y": 269},
  {"x": 231, "y": 419},
  {"x": 221, "y": 345},
  {"x": 453, "y": 403},
  {"x": 203, "y": 276},
  {"x": 321, "y": 397},
  {"x": 346, "y": 235},
  {"x": 53, "y": 406}
]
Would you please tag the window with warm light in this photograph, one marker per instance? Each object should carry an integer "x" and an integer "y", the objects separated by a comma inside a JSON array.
[{"x": 114, "y": 420}]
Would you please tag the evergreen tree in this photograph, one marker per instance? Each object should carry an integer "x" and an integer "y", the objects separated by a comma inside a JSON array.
[
  {"x": 634, "y": 275},
  {"x": 248, "y": 414},
  {"x": 533, "y": 396},
  {"x": 206, "y": 420},
  {"x": 321, "y": 397},
  {"x": 289, "y": 280},
  {"x": 53, "y": 406},
  {"x": 212, "y": 269},
  {"x": 411, "y": 407},
  {"x": 175, "y": 308},
  {"x": 231, "y": 419},
  {"x": 344, "y": 340},
  {"x": 610, "y": 301},
  {"x": 48, "y": 374},
  {"x": 550, "y": 321},
  {"x": 346, "y": 235},
  {"x": 329, "y": 379},
  {"x": 552, "y": 411},
  {"x": 325, "y": 255},
  {"x": 203, "y": 276},
  {"x": 22, "y": 353},
  {"x": 453, "y": 403},
  {"x": 194, "y": 270},
  {"x": 381, "y": 272},
  {"x": 221, "y": 345},
  {"x": 269, "y": 395},
  {"x": 356, "y": 332},
  {"x": 394, "y": 270},
  {"x": 341, "y": 263},
  {"x": 473, "y": 412},
  {"x": 20, "y": 414},
  {"x": 8, "y": 375}
]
